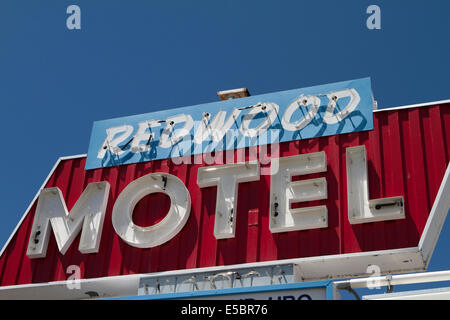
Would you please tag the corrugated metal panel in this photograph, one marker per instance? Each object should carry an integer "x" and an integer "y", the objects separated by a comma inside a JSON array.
[{"x": 408, "y": 152}]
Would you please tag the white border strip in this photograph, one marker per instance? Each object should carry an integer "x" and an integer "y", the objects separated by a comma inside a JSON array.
[
  {"x": 427, "y": 294},
  {"x": 436, "y": 219},
  {"x": 426, "y": 104}
]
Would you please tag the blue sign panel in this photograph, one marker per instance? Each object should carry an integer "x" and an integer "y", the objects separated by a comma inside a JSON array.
[
  {"x": 314, "y": 290},
  {"x": 297, "y": 114}
]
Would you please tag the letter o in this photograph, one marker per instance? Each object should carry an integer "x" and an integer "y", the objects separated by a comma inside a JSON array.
[
  {"x": 300, "y": 124},
  {"x": 270, "y": 108},
  {"x": 330, "y": 117},
  {"x": 167, "y": 228}
]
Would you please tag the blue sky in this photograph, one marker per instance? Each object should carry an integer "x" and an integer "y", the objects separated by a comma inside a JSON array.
[{"x": 133, "y": 57}]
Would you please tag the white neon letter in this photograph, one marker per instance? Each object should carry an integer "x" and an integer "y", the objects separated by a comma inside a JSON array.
[
  {"x": 360, "y": 208},
  {"x": 217, "y": 127},
  {"x": 301, "y": 102},
  {"x": 226, "y": 178},
  {"x": 167, "y": 228},
  {"x": 169, "y": 138},
  {"x": 87, "y": 215},
  {"x": 269, "y": 109},
  {"x": 284, "y": 192},
  {"x": 143, "y": 134},
  {"x": 329, "y": 116},
  {"x": 111, "y": 143}
]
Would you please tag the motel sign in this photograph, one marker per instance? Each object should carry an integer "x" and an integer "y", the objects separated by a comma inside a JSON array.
[
  {"x": 311, "y": 182},
  {"x": 88, "y": 212}
]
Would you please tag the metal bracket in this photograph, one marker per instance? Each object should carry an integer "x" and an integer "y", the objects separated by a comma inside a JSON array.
[{"x": 390, "y": 287}]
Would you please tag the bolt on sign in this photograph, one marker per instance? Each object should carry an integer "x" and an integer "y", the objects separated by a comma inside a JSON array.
[{"x": 314, "y": 177}]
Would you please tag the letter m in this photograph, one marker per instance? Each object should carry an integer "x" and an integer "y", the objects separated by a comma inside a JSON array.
[{"x": 87, "y": 215}]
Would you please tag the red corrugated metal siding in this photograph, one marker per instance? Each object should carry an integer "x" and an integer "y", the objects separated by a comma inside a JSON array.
[{"x": 408, "y": 152}]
